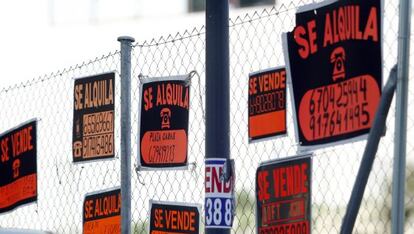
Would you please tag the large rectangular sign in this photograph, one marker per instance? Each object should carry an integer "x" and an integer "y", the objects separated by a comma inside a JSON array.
[
  {"x": 18, "y": 166},
  {"x": 102, "y": 212},
  {"x": 174, "y": 218},
  {"x": 283, "y": 196},
  {"x": 267, "y": 103},
  {"x": 163, "y": 128},
  {"x": 94, "y": 118},
  {"x": 334, "y": 63},
  {"x": 219, "y": 195}
]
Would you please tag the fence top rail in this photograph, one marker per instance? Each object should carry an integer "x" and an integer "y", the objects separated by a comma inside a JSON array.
[
  {"x": 55, "y": 75},
  {"x": 171, "y": 38},
  {"x": 189, "y": 33},
  {"x": 233, "y": 22},
  {"x": 262, "y": 14}
]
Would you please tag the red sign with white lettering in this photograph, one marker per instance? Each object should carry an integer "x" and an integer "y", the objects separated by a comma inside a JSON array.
[{"x": 283, "y": 195}]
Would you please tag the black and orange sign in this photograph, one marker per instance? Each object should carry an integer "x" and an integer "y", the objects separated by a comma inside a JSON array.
[
  {"x": 163, "y": 126},
  {"x": 93, "y": 117},
  {"x": 18, "y": 166},
  {"x": 283, "y": 195},
  {"x": 174, "y": 217},
  {"x": 335, "y": 65},
  {"x": 102, "y": 212},
  {"x": 267, "y": 103}
]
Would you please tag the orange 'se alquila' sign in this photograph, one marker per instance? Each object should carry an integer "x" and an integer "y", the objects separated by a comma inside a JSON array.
[{"x": 102, "y": 212}]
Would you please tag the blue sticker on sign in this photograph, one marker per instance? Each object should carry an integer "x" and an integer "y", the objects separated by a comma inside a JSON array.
[{"x": 219, "y": 201}]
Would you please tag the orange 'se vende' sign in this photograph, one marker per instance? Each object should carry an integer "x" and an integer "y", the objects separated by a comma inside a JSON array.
[
  {"x": 174, "y": 218},
  {"x": 163, "y": 130},
  {"x": 102, "y": 212},
  {"x": 18, "y": 166},
  {"x": 267, "y": 103},
  {"x": 334, "y": 65}
]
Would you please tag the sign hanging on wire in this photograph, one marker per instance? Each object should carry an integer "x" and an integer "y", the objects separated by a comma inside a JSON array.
[
  {"x": 267, "y": 104},
  {"x": 93, "y": 118},
  {"x": 283, "y": 195},
  {"x": 334, "y": 64},
  {"x": 102, "y": 212},
  {"x": 18, "y": 166},
  {"x": 174, "y": 217},
  {"x": 163, "y": 123}
]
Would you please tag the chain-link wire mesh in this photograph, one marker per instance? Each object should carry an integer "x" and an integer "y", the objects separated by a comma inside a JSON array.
[
  {"x": 62, "y": 184},
  {"x": 174, "y": 55},
  {"x": 255, "y": 43}
]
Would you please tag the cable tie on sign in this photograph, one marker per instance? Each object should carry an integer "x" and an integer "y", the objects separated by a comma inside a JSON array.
[
  {"x": 192, "y": 167},
  {"x": 117, "y": 72},
  {"x": 57, "y": 173},
  {"x": 228, "y": 170},
  {"x": 139, "y": 176},
  {"x": 106, "y": 173},
  {"x": 37, "y": 208},
  {"x": 191, "y": 75},
  {"x": 141, "y": 77},
  {"x": 80, "y": 173}
]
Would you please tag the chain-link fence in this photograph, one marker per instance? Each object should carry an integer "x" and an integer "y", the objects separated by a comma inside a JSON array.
[
  {"x": 255, "y": 43},
  {"x": 62, "y": 185}
]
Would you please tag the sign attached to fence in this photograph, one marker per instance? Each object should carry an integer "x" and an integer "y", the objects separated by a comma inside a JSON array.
[
  {"x": 267, "y": 103},
  {"x": 102, "y": 212},
  {"x": 334, "y": 64},
  {"x": 283, "y": 195},
  {"x": 219, "y": 195},
  {"x": 18, "y": 166},
  {"x": 174, "y": 217},
  {"x": 163, "y": 128},
  {"x": 93, "y": 118}
]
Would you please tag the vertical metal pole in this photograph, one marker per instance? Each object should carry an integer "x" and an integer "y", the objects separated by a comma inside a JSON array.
[
  {"x": 217, "y": 84},
  {"x": 377, "y": 129},
  {"x": 126, "y": 133},
  {"x": 398, "y": 180}
]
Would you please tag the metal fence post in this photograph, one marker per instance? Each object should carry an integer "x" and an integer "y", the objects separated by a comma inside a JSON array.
[
  {"x": 217, "y": 85},
  {"x": 398, "y": 180},
  {"x": 377, "y": 129},
  {"x": 126, "y": 133}
]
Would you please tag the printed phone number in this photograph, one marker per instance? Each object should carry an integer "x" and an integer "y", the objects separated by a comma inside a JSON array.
[{"x": 339, "y": 108}]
